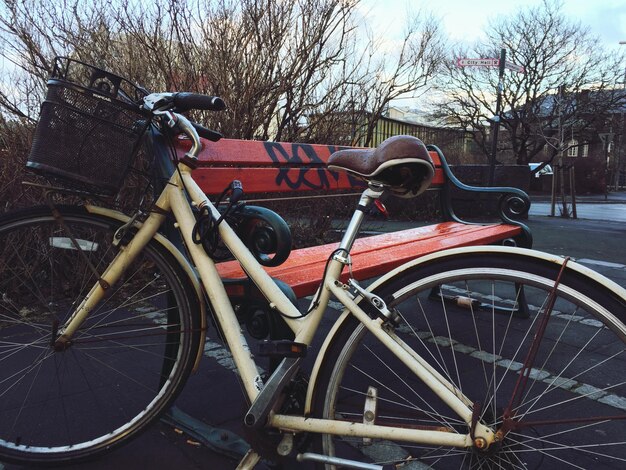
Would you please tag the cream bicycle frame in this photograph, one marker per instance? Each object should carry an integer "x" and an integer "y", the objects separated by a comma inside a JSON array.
[{"x": 174, "y": 199}]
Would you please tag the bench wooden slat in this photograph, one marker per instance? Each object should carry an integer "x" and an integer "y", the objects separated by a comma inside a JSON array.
[
  {"x": 378, "y": 254},
  {"x": 255, "y": 180},
  {"x": 271, "y": 167},
  {"x": 213, "y": 180},
  {"x": 260, "y": 153}
]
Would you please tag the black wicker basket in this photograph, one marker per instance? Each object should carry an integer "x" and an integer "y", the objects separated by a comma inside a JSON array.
[{"x": 89, "y": 129}]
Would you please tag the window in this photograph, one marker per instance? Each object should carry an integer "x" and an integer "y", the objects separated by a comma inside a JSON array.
[
  {"x": 572, "y": 148},
  {"x": 585, "y": 149}
]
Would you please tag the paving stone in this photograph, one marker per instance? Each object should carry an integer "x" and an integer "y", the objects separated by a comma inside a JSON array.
[
  {"x": 590, "y": 391},
  {"x": 606, "y": 264},
  {"x": 592, "y": 322},
  {"x": 614, "y": 401},
  {"x": 561, "y": 382},
  {"x": 443, "y": 341},
  {"x": 464, "y": 349},
  {"x": 485, "y": 356},
  {"x": 513, "y": 365},
  {"x": 424, "y": 334},
  {"x": 538, "y": 374},
  {"x": 569, "y": 317}
]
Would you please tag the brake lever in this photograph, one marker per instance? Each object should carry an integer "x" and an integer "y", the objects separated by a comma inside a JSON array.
[
  {"x": 180, "y": 123},
  {"x": 186, "y": 126},
  {"x": 158, "y": 102}
]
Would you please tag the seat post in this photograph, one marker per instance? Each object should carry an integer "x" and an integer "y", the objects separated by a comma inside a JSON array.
[{"x": 372, "y": 193}]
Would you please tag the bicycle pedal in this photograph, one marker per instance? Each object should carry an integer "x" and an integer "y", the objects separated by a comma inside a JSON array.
[{"x": 282, "y": 348}]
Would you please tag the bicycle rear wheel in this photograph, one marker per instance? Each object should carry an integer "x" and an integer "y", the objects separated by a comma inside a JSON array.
[
  {"x": 474, "y": 318},
  {"x": 125, "y": 364}
]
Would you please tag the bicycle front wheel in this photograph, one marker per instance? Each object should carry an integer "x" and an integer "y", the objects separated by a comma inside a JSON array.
[
  {"x": 476, "y": 318},
  {"x": 124, "y": 365}
]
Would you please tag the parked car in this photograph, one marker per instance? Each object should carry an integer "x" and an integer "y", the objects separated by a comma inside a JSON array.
[{"x": 546, "y": 170}]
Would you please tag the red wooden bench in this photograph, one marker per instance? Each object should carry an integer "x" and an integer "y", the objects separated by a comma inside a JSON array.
[{"x": 295, "y": 169}]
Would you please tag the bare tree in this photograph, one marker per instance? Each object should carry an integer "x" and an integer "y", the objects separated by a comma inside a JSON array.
[
  {"x": 288, "y": 70},
  {"x": 406, "y": 70},
  {"x": 555, "y": 53}
]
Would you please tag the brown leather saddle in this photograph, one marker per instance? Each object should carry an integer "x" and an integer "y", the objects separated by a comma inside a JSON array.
[{"x": 401, "y": 164}]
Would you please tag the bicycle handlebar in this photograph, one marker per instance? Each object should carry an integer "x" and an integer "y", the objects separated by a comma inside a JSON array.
[
  {"x": 186, "y": 101},
  {"x": 181, "y": 102},
  {"x": 170, "y": 104}
]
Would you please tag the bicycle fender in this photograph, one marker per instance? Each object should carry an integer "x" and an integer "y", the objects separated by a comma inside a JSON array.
[
  {"x": 539, "y": 256},
  {"x": 180, "y": 258}
]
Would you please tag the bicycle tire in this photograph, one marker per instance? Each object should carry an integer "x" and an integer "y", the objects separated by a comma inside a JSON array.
[
  {"x": 126, "y": 363},
  {"x": 481, "y": 347}
]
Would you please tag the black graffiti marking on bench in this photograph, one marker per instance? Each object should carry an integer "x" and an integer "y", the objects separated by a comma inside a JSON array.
[{"x": 302, "y": 161}]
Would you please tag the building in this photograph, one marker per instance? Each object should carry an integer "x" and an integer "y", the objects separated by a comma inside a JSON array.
[
  {"x": 456, "y": 144},
  {"x": 584, "y": 131}
]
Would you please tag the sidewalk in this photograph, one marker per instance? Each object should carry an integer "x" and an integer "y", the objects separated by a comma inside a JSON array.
[
  {"x": 614, "y": 197},
  {"x": 590, "y": 207}
]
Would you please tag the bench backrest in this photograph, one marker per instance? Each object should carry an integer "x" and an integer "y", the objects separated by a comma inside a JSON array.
[
  {"x": 269, "y": 167},
  {"x": 278, "y": 167}
]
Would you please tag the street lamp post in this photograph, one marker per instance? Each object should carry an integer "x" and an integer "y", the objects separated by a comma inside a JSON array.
[{"x": 620, "y": 149}]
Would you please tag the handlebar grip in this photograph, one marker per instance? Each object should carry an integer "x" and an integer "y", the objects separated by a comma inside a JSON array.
[
  {"x": 213, "y": 136},
  {"x": 185, "y": 101}
]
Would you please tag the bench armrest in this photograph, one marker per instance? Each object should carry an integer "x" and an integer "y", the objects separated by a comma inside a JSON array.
[{"x": 513, "y": 202}]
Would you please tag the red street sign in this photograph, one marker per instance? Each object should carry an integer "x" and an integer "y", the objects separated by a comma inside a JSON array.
[
  {"x": 514, "y": 67},
  {"x": 478, "y": 62},
  {"x": 488, "y": 63}
]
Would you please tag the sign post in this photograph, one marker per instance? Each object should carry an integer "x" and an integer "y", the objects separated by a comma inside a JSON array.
[{"x": 495, "y": 126}]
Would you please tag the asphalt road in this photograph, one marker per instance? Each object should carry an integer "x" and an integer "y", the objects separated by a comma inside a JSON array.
[
  {"x": 597, "y": 244},
  {"x": 214, "y": 396}
]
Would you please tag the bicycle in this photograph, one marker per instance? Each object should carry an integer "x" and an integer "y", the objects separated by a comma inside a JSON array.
[{"x": 102, "y": 318}]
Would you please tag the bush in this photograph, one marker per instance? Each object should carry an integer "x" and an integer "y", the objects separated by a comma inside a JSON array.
[
  {"x": 590, "y": 176},
  {"x": 15, "y": 140}
]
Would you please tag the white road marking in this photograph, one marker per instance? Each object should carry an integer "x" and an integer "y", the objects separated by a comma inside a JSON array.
[{"x": 597, "y": 262}]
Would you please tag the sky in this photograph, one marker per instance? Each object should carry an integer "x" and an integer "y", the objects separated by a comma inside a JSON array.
[{"x": 464, "y": 20}]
